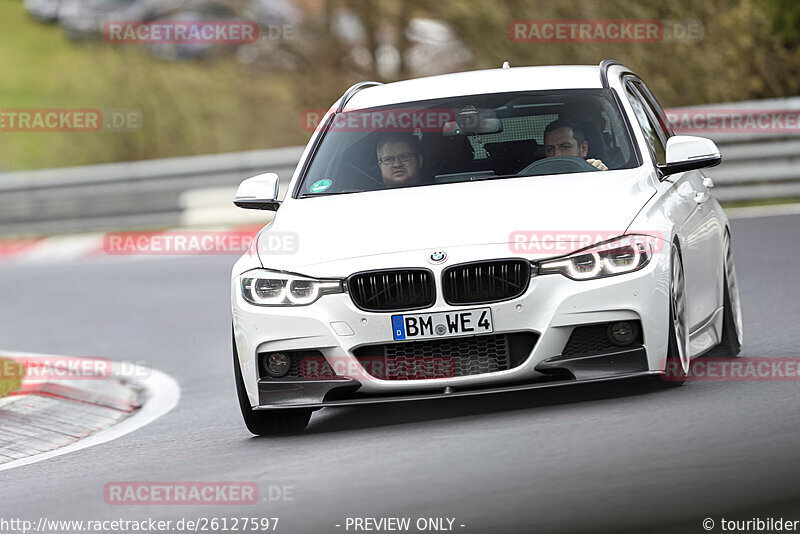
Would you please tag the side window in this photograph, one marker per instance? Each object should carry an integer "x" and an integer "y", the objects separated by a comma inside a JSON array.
[
  {"x": 655, "y": 108},
  {"x": 649, "y": 128}
]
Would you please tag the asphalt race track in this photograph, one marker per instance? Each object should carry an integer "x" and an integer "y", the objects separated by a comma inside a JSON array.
[{"x": 590, "y": 458}]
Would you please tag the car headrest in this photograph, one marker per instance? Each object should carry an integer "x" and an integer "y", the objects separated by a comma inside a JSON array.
[{"x": 597, "y": 145}]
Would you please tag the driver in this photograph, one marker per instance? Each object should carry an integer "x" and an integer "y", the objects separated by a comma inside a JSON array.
[
  {"x": 565, "y": 138},
  {"x": 400, "y": 160}
]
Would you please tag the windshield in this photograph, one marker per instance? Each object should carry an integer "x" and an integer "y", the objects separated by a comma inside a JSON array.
[{"x": 470, "y": 138}]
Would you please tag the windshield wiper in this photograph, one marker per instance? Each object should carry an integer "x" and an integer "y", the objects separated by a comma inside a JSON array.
[
  {"x": 323, "y": 194},
  {"x": 492, "y": 177}
]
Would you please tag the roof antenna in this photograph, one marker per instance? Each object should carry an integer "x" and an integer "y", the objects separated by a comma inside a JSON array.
[{"x": 506, "y": 65}]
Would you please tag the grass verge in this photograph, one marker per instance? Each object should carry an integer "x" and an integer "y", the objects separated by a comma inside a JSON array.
[
  {"x": 11, "y": 374},
  {"x": 187, "y": 107}
]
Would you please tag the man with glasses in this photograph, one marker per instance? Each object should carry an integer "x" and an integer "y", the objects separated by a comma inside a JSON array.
[{"x": 400, "y": 160}]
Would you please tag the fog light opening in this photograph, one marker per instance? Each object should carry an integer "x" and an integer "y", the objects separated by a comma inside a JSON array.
[
  {"x": 277, "y": 364},
  {"x": 623, "y": 333}
]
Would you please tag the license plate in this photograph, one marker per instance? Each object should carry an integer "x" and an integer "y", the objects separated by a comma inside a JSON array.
[{"x": 427, "y": 325}]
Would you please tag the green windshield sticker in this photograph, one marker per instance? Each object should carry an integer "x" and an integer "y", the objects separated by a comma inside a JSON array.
[{"x": 320, "y": 185}]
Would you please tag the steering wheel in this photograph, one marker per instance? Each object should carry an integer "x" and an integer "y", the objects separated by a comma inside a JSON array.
[{"x": 557, "y": 165}]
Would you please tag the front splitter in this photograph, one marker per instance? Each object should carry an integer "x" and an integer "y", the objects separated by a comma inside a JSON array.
[{"x": 303, "y": 391}]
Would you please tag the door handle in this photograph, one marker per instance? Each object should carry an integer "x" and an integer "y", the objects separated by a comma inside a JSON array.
[
  {"x": 708, "y": 182},
  {"x": 700, "y": 198}
]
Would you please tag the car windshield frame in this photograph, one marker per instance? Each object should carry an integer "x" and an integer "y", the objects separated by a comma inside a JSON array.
[{"x": 634, "y": 160}]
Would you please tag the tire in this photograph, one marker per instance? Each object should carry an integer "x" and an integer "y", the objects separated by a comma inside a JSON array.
[
  {"x": 267, "y": 422},
  {"x": 676, "y": 367},
  {"x": 731, "y": 343}
]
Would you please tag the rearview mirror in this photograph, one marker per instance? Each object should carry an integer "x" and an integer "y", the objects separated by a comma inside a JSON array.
[
  {"x": 688, "y": 153},
  {"x": 473, "y": 121},
  {"x": 259, "y": 193}
]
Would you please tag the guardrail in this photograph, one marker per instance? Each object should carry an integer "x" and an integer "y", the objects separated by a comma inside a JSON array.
[
  {"x": 763, "y": 163},
  {"x": 198, "y": 190},
  {"x": 141, "y": 194},
  {"x": 757, "y": 168}
]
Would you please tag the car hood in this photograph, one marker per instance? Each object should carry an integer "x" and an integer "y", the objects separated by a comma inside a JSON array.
[{"x": 491, "y": 214}]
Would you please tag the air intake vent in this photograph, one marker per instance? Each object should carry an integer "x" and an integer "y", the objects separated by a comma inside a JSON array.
[{"x": 446, "y": 358}]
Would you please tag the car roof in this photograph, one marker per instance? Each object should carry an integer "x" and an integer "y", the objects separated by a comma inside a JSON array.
[{"x": 478, "y": 82}]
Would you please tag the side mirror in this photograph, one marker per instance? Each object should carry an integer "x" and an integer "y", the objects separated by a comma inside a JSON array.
[
  {"x": 688, "y": 153},
  {"x": 259, "y": 193}
]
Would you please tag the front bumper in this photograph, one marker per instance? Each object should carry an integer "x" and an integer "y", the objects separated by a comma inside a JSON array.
[
  {"x": 326, "y": 393},
  {"x": 552, "y": 307}
]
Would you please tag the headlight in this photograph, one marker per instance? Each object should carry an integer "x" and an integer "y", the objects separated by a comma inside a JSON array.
[
  {"x": 618, "y": 256},
  {"x": 267, "y": 288}
]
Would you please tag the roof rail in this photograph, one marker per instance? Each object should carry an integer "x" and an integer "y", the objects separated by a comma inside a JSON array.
[
  {"x": 604, "y": 66},
  {"x": 352, "y": 91}
]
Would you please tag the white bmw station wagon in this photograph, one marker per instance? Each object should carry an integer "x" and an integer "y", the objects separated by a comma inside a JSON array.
[{"x": 482, "y": 232}]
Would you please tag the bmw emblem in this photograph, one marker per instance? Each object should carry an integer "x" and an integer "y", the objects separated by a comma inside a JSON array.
[{"x": 437, "y": 256}]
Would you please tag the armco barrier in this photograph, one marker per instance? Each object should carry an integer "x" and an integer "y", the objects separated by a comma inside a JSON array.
[
  {"x": 141, "y": 194},
  {"x": 757, "y": 168},
  {"x": 758, "y": 164},
  {"x": 197, "y": 190}
]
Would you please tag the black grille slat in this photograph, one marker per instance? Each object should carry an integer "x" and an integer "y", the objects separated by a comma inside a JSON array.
[
  {"x": 487, "y": 281},
  {"x": 395, "y": 290}
]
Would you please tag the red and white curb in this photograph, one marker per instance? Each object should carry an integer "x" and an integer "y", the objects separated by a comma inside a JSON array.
[
  {"x": 48, "y": 417},
  {"x": 48, "y": 249}
]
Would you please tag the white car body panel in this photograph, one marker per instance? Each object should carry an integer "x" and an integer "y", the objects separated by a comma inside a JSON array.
[{"x": 452, "y": 215}]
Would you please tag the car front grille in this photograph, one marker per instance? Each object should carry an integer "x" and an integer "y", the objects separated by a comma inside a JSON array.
[
  {"x": 485, "y": 281},
  {"x": 446, "y": 358},
  {"x": 393, "y": 290}
]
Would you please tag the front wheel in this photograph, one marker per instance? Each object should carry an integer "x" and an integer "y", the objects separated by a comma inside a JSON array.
[
  {"x": 676, "y": 368},
  {"x": 267, "y": 422}
]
